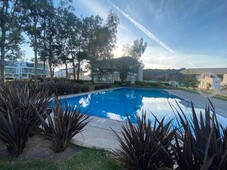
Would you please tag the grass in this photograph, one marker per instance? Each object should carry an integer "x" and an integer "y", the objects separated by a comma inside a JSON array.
[{"x": 85, "y": 159}]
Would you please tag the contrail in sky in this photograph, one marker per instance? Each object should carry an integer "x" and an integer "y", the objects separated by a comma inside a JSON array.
[{"x": 143, "y": 29}]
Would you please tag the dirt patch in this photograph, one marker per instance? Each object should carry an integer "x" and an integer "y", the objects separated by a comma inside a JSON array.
[{"x": 37, "y": 147}]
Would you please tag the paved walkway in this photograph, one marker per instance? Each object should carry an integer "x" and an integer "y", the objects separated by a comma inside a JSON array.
[
  {"x": 99, "y": 133},
  {"x": 200, "y": 100}
]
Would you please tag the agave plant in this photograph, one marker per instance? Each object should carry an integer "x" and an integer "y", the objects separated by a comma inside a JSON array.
[
  {"x": 146, "y": 145},
  {"x": 63, "y": 124},
  {"x": 202, "y": 144}
]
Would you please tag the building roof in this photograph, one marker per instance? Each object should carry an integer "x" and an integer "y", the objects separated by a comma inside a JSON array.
[{"x": 204, "y": 71}]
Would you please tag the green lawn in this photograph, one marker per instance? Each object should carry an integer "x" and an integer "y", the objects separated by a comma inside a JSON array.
[{"x": 85, "y": 159}]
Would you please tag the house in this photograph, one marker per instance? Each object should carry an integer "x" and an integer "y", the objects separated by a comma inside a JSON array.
[
  {"x": 62, "y": 74},
  {"x": 24, "y": 70},
  {"x": 209, "y": 78}
]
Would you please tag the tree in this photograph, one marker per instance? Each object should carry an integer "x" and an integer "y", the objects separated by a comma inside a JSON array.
[
  {"x": 80, "y": 56},
  {"x": 10, "y": 27},
  {"x": 190, "y": 81},
  {"x": 91, "y": 26},
  {"x": 112, "y": 24},
  {"x": 137, "y": 49},
  {"x": 47, "y": 32},
  {"x": 35, "y": 11},
  {"x": 126, "y": 65},
  {"x": 101, "y": 38}
]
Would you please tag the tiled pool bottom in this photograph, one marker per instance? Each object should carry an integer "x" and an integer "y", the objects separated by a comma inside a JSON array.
[{"x": 117, "y": 103}]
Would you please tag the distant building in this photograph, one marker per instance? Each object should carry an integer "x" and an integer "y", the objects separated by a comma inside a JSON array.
[
  {"x": 23, "y": 70},
  {"x": 209, "y": 82},
  {"x": 62, "y": 74},
  {"x": 140, "y": 74},
  {"x": 208, "y": 77}
]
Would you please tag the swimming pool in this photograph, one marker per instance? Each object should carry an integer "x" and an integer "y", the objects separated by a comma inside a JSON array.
[{"x": 116, "y": 103}]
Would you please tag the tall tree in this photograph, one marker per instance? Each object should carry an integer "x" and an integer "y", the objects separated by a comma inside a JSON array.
[
  {"x": 10, "y": 28},
  {"x": 35, "y": 11},
  {"x": 80, "y": 56},
  {"x": 112, "y": 24},
  {"x": 137, "y": 49},
  {"x": 46, "y": 39},
  {"x": 91, "y": 26},
  {"x": 101, "y": 38}
]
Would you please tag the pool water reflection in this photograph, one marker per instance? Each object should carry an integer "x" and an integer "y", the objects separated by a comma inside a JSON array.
[{"x": 115, "y": 104}]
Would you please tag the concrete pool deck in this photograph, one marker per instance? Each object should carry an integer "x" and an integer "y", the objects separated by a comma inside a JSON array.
[{"x": 98, "y": 133}]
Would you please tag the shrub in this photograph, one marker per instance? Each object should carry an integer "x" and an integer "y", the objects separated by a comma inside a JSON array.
[
  {"x": 84, "y": 88},
  {"x": 120, "y": 83},
  {"x": 18, "y": 116},
  {"x": 14, "y": 130},
  {"x": 63, "y": 125},
  {"x": 146, "y": 147},
  {"x": 202, "y": 144},
  {"x": 102, "y": 86},
  {"x": 141, "y": 83},
  {"x": 23, "y": 102}
]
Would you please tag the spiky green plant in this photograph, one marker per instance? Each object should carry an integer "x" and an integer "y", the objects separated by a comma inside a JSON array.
[
  {"x": 202, "y": 142},
  {"x": 63, "y": 124},
  {"x": 146, "y": 145}
]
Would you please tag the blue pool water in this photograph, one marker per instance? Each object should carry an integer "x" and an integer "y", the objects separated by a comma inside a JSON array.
[{"x": 114, "y": 104}]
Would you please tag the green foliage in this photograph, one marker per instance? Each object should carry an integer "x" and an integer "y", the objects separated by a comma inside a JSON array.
[
  {"x": 122, "y": 83},
  {"x": 102, "y": 86},
  {"x": 190, "y": 81},
  {"x": 10, "y": 37},
  {"x": 136, "y": 49},
  {"x": 93, "y": 159},
  {"x": 126, "y": 66},
  {"x": 85, "y": 159},
  {"x": 163, "y": 75},
  {"x": 63, "y": 125},
  {"x": 152, "y": 84},
  {"x": 144, "y": 146},
  {"x": 84, "y": 88}
]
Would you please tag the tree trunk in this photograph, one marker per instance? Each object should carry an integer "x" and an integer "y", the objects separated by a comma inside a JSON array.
[
  {"x": 74, "y": 69},
  {"x": 3, "y": 56},
  {"x": 36, "y": 62},
  {"x": 78, "y": 71},
  {"x": 35, "y": 52},
  {"x": 3, "y": 38},
  {"x": 51, "y": 71},
  {"x": 66, "y": 71},
  {"x": 44, "y": 70}
]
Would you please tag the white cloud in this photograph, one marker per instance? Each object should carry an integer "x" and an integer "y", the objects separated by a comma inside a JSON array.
[
  {"x": 157, "y": 57},
  {"x": 143, "y": 29}
]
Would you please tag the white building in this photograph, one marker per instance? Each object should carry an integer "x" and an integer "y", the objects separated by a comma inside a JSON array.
[
  {"x": 209, "y": 77},
  {"x": 209, "y": 82},
  {"x": 23, "y": 70},
  {"x": 62, "y": 74}
]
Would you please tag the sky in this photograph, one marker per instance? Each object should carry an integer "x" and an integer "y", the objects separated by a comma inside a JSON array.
[{"x": 179, "y": 33}]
